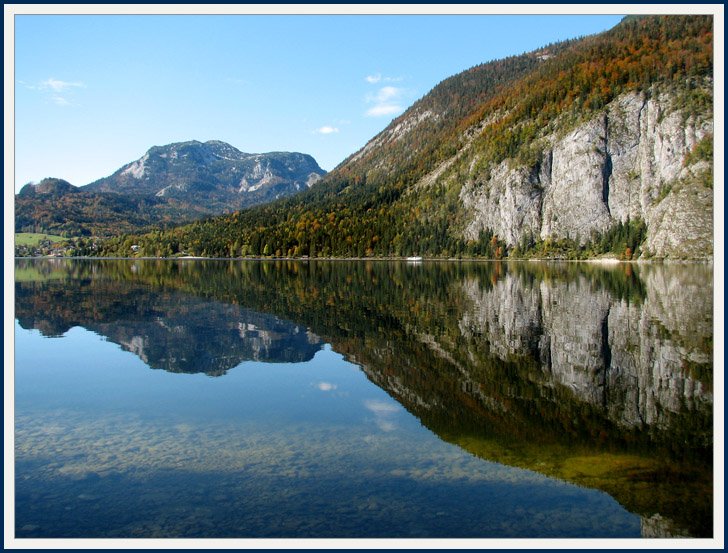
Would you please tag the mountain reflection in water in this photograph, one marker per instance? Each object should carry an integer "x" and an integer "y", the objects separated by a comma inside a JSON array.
[
  {"x": 168, "y": 329},
  {"x": 601, "y": 376}
]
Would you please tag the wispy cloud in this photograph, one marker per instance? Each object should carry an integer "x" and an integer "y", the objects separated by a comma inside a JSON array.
[
  {"x": 60, "y": 86},
  {"x": 386, "y": 94},
  {"x": 326, "y": 129},
  {"x": 378, "y": 77},
  {"x": 386, "y": 102},
  {"x": 53, "y": 88},
  {"x": 381, "y": 111}
]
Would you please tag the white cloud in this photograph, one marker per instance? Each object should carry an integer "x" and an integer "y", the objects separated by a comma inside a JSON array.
[
  {"x": 386, "y": 94},
  {"x": 385, "y": 101},
  {"x": 326, "y": 130},
  {"x": 381, "y": 111},
  {"x": 60, "y": 86},
  {"x": 326, "y": 386},
  {"x": 52, "y": 89},
  {"x": 378, "y": 77}
]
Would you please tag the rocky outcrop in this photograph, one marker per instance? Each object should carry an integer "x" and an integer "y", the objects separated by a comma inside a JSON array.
[{"x": 626, "y": 162}]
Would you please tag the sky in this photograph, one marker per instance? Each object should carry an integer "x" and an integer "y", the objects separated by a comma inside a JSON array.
[
  {"x": 92, "y": 93},
  {"x": 87, "y": 94}
]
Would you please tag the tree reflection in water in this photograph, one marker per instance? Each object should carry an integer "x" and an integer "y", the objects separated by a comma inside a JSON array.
[{"x": 598, "y": 375}]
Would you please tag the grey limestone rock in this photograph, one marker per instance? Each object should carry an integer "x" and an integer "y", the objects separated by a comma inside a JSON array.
[{"x": 626, "y": 162}]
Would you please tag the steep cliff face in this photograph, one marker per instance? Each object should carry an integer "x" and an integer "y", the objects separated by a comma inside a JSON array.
[{"x": 627, "y": 162}]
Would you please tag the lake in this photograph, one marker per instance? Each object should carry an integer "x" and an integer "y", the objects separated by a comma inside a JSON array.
[{"x": 334, "y": 399}]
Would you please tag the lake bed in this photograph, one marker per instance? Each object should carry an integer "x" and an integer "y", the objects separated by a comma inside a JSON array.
[{"x": 293, "y": 399}]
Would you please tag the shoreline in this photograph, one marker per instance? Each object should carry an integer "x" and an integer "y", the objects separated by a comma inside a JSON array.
[{"x": 601, "y": 261}]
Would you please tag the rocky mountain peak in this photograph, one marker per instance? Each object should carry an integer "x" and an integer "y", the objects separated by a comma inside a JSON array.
[{"x": 214, "y": 176}]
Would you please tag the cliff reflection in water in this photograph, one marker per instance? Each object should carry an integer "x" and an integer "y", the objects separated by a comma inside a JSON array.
[{"x": 597, "y": 375}]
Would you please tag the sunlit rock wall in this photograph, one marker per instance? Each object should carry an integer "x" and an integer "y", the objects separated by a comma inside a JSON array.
[{"x": 624, "y": 163}]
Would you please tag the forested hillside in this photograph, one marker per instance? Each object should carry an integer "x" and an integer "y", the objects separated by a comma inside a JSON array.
[
  {"x": 487, "y": 164},
  {"x": 169, "y": 185},
  {"x": 55, "y": 206}
]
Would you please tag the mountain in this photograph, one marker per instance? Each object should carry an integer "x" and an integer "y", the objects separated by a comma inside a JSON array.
[
  {"x": 49, "y": 186},
  {"x": 213, "y": 174},
  {"x": 598, "y": 145},
  {"x": 169, "y": 184}
]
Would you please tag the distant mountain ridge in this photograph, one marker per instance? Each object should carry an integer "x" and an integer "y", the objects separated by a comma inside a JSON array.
[
  {"x": 168, "y": 184},
  {"x": 215, "y": 169}
]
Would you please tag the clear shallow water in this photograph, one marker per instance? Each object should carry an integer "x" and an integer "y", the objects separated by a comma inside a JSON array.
[{"x": 331, "y": 402}]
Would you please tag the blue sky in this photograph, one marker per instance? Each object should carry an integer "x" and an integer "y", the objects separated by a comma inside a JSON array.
[{"x": 94, "y": 92}]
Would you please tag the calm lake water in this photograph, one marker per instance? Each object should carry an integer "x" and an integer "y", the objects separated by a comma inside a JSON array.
[{"x": 322, "y": 399}]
